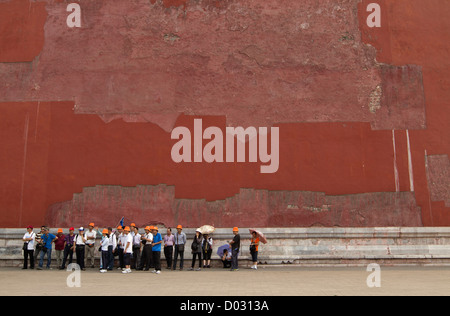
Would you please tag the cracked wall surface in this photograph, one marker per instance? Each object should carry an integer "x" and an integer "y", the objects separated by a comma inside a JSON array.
[
  {"x": 257, "y": 63},
  {"x": 260, "y": 208}
]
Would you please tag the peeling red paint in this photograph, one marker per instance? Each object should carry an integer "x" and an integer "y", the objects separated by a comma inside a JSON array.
[
  {"x": 258, "y": 63},
  {"x": 145, "y": 205}
]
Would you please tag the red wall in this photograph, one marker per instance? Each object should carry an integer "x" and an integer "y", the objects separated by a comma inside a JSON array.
[{"x": 336, "y": 163}]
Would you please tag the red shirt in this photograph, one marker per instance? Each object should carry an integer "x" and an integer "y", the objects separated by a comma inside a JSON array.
[{"x": 59, "y": 244}]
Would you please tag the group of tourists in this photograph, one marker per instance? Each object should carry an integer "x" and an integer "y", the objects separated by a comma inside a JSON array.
[{"x": 134, "y": 250}]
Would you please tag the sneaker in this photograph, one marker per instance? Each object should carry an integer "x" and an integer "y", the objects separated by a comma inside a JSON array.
[
  {"x": 154, "y": 271},
  {"x": 198, "y": 269},
  {"x": 102, "y": 271},
  {"x": 158, "y": 272}
]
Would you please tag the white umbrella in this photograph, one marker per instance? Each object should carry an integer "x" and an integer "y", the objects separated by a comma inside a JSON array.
[{"x": 207, "y": 229}]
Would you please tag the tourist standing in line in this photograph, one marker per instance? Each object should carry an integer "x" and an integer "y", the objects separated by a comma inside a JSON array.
[
  {"x": 28, "y": 248},
  {"x": 112, "y": 245},
  {"x": 169, "y": 241},
  {"x": 136, "y": 248},
  {"x": 104, "y": 244},
  {"x": 127, "y": 242},
  {"x": 91, "y": 235},
  {"x": 146, "y": 258},
  {"x": 80, "y": 245},
  {"x": 46, "y": 240},
  {"x": 59, "y": 246},
  {"x": 254, "y": 245},
  {"x": 120, "y": 237},
  {"x": 38, "y": 243},
  {"x": 156, "y": 250},
  {"x": 69, "y": 248},
  {"x": 235, "y": 245},
  {"x": 196, "y": 248},
  {"x": 207, "y": 245},
  {"x": 180, "y": 243}
]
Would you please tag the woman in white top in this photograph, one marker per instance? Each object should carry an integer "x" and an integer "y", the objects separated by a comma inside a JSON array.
[{"x": 28, "y": 248}]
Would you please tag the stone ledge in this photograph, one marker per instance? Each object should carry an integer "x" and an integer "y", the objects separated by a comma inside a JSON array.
[{"x": 308, "y": 246}]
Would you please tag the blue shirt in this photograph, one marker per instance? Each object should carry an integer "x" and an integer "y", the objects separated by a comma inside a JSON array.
[
  {"x": 157, "y": 238},
  {"x": 47, "y": 240}
]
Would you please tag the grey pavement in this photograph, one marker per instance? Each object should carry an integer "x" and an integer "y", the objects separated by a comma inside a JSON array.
[{"x": 267, "y": 281}]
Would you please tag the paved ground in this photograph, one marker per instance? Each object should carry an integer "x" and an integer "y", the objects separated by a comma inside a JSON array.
[{"x": 272, "y": 281}]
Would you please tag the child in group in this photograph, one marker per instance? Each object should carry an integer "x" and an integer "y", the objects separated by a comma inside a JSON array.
[{"x": 104, "y": 244}]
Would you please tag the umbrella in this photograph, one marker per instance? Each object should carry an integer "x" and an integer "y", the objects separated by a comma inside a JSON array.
[
  {"x": 207, "y": 229},
  {"x": 222, "y": 248},
  {"x": 261, "y": 236}
]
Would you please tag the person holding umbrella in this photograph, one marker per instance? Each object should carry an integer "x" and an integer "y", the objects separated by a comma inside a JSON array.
[{"x": 254, "y": 244}]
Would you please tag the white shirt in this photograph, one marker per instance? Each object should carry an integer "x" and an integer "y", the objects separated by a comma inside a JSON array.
[
  {"x": 79, "y": 240},
  {"x": 87, "y": 234},
  {"x": 137, "y": 239},
  {"x": 128, "y": 239},
  {"x": 148, "y": 236},
  {"x": 120, "y": 240},
  {"x": 31, "y": 242},
  {"x": 104, "y": 243},
  {"x": 113, "y": 241}
]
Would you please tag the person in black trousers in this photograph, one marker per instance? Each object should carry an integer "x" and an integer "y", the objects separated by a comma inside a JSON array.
[
  {"x": 180, "y": 242},
  {"x": 169, "y": 241},
  {"x": 156, "y": 250},
  {"x": 28, "y": 247},
  {"x": 68, "y": 248},
  {"x": 146, "y": 258},
  {"x": 80, "y": 245},
  {"x": 196, "y": 248}
]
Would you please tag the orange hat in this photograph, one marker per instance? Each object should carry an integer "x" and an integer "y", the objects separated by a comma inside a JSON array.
[
  {"x": 155, "y": 227},
  {"x": 119, "y": 227},
  {"x": 180, "y": 227},
  {"x": 133, "y": 225},
  {"x": 60, "y": 230},
  {"x": 148, "y": 228},
  {"x": 91, "y": 224},
  {"x": 127, "y": 228},
  {"x": 235, "y": 229},
  {"x": 105, "y": 231}
]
